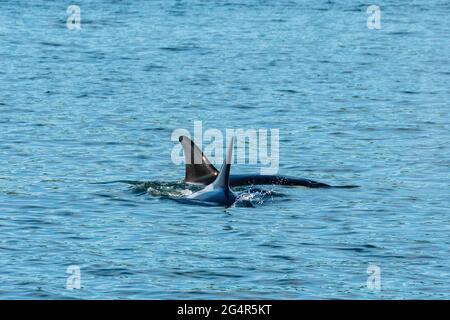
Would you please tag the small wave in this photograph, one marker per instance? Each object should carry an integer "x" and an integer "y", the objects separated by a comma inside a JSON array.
[{"x": 168, "y": 190}]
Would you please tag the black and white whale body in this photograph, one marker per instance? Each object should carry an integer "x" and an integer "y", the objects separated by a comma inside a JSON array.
[
  {"x": 218, "y": 192},
  {"x": 199, "y": 170}
]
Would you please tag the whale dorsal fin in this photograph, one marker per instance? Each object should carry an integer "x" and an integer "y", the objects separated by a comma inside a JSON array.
[
  {"x": 223, "y": 178},
  {"x": 198, "y": 168}
]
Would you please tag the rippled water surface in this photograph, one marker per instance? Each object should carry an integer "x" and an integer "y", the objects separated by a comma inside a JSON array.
[{"x": 82, "y": 109}]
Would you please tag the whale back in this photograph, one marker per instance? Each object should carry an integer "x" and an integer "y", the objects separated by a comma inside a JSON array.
[{"x": 219, "y": 191}]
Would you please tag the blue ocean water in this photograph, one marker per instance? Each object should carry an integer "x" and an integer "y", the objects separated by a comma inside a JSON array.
[{"x": 81, "y": 108}]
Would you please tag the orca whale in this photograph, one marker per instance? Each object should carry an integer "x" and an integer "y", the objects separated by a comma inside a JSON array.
[
  {"x": 218, "y": 191},
  {"x": 199, "y": 170}
]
